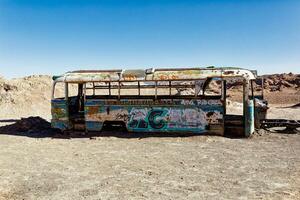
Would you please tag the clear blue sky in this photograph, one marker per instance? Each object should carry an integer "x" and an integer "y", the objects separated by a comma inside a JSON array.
[{"x": 54, "y": 36}]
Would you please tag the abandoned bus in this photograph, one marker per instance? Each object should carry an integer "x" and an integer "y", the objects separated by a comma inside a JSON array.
[{"x": 151, "y": 100}]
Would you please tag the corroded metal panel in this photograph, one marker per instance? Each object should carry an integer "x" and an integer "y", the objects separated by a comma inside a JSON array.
[
  {"x": 154, "y": 75},
  {"x": 59, "y": 111},
  {"x": 202, "y": 74},
  {"x": 89, "y": 77},
  {"x": 157, "y": 116},
  {"x": 62, "y": 125},
  {"x": 183, "y": 74},
  {"x": 94, "y": 125},
  {"x": 133, "y": 75}
]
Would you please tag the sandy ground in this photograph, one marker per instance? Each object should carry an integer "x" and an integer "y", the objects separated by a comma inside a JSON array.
[
  {"x": 198, "y": 167},
  {"x": 281, "y": 111}
]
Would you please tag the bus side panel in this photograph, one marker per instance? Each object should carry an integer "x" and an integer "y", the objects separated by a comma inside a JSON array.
[
  {"x": 214, "y": 118},
  {"x": 93, "y": 119},
  {"x": 183, "y": 116},
  {"x": 196, "y": 116},
  {"x": 60, "y": 116}
]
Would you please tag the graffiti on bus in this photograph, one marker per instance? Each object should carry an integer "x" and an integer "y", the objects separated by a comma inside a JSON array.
[{"x": 158, "y": 118}]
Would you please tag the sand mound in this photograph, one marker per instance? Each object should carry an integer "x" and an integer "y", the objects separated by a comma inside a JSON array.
[{"x": 24, "y": 97}]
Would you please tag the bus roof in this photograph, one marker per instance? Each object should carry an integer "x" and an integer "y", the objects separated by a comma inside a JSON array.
[{"x": 162, "y": 74}]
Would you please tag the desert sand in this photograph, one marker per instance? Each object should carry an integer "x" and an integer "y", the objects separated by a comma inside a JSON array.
[{"x": 39, "y": 165}]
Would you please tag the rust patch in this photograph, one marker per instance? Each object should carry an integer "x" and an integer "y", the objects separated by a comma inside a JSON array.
[
  {"x": 129, "y": 77},
  {"x": 92, "y": 110},
  {"x": 210, "y": 114},
  {"x": 163, "y": 77},
  {"x": 228, "y": 72},
  {"x": 58, "y": 112}
]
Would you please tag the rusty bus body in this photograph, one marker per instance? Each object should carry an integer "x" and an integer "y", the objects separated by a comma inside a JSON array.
[{"x": 160, "y": 111}]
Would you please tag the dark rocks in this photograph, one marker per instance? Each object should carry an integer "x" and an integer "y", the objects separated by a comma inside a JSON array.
[{"x": 32, "y": 124}]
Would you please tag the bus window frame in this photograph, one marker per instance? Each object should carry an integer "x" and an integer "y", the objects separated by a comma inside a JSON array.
[
  {"x": 66, "y": 90},
  {"x": 139, "y": 86}
]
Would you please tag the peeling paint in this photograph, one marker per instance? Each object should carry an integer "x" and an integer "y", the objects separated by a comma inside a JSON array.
[
  {"x": 59, "y": 111},
  {"x": 155, "y": 75},
  {"x": 188, "y": 116}
]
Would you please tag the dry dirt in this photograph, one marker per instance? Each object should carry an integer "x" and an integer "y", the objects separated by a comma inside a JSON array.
[
  {"x": 38, "y": 165},
  {"x": 199, "y": 167}
]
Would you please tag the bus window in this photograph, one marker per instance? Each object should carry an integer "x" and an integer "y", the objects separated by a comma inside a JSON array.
[
  {"x": 97, "y": 88},
  {"x": 183, "y": 88},
  {"x": 163, "y": 88},
  {"x": 129, "y": 88},
  {"x": 234, "y": 100},
  {"x": 59, "y": 90},
  {"x": 213, "y": 87},
  {"x": 147, "y": 88},
  {"x": 72, "y": 89},
  {"x": 199, "y": 87},
  {"x": 89, "y": 89},
  {"x": 100, "y": 88},
  {"x": 114, "y": 91}
]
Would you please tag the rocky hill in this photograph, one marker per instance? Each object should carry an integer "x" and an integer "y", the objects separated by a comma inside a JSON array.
[
  {"x": 278, "y": 82},
  {"x": 28, "y": 96}
]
